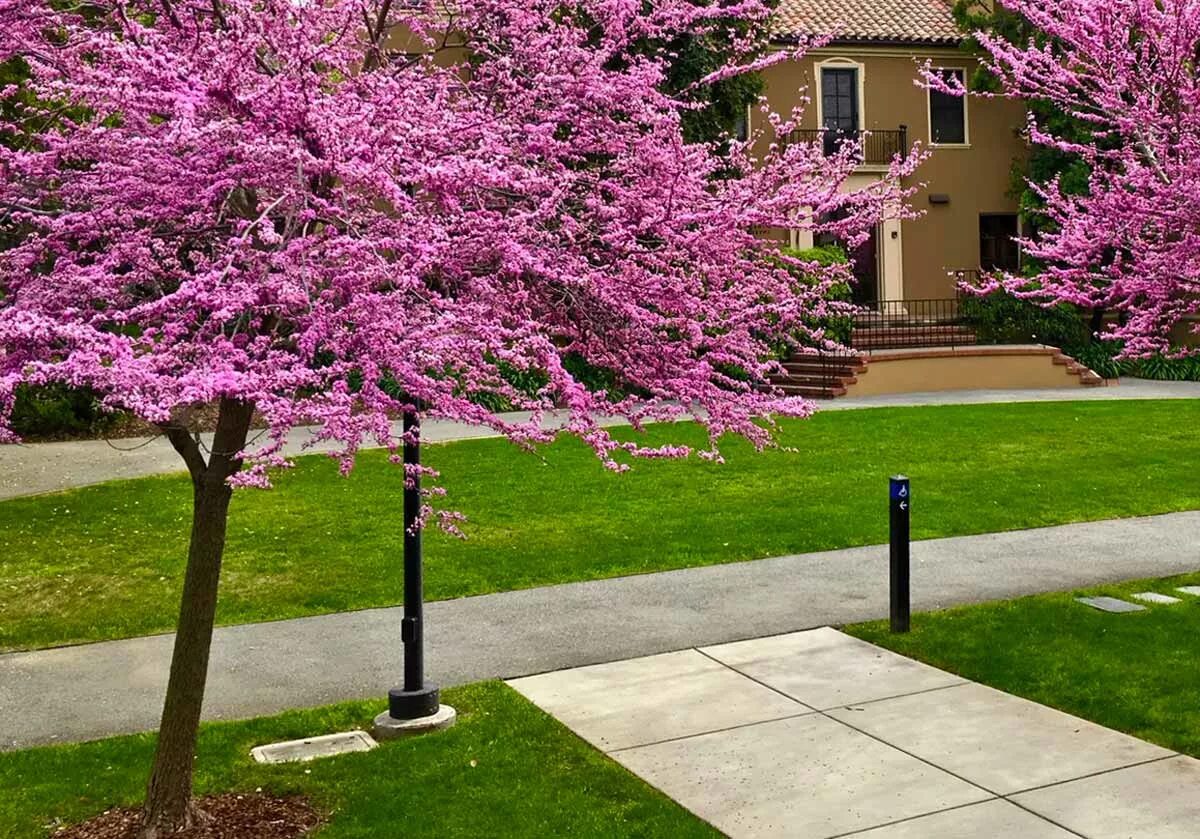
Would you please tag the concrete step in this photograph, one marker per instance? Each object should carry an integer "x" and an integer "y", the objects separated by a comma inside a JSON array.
[
  {"x": 847, "y": 368},
  {"x": 814, "y": 380},
  {"x": 812, "y": 392}
]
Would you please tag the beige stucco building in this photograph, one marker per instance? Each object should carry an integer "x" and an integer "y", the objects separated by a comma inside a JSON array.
[{"x": 864, "y": 85}]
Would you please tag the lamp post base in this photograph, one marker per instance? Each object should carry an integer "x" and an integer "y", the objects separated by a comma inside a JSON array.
[
  {"x": 388, "y": 727},
  {"x": 413, "y": 704}
]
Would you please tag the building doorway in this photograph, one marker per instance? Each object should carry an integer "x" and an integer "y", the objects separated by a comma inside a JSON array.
[
  {"x": 864, "y": 264},
  {"x": 998, "y": 247}
]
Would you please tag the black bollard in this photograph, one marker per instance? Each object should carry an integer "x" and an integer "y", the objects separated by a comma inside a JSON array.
[{"x": 901, "y": 504}]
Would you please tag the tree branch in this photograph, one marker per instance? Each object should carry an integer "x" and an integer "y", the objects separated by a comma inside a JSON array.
[
  {"x": 188, "y": 448},
  {"x": 169, "y": 9},
  {"x": 375, "y": 56}
]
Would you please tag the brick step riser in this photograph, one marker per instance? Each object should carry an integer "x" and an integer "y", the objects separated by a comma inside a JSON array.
[
  {"x": 850, "y": 365},
  {"x": 813, "y": 381},
  {"x": 836, "y": 372},
  {"x": 815, "y": 392}
]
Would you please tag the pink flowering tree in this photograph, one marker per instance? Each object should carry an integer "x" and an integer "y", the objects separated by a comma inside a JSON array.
[
  {"x": 1125, "y": 72},
  {"x": 336, "y": 212}
]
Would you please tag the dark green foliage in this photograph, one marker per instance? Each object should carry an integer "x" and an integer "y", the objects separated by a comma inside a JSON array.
[
  {"x": 505, "y": 770},
  {"x": 1135, "y": 673},
  {"x": 1003, "y": 319},
  {"x": 1044, "y": 164},
  {"x": 1000, "y": 318},
  {"x": 1100, "y": 358},
  {"x": 822, "y": 254},
  {"x": 1185, "y": 369},
  {"x": 57, "y": 411},
  {"x": 836, "y": 328},
  {"x": 723, "y": 104}
]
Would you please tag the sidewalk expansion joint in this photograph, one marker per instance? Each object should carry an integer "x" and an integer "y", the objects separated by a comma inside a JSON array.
[
  {"x": 694, "y": 735},
  {"x": 877, "y": 739},
  {"x": 855, "y": 705}
]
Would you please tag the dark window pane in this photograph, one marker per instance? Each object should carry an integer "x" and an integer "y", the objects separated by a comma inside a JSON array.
[
  {"x": 948, "y": 114},
  {"x": 839, "y": 98}
]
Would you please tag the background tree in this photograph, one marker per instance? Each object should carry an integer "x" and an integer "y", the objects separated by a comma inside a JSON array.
[
  {"x": 718, "y": 110},
  {"x": 1130, "y": 243},
  {"x": 267, "y": 207},
  {"x": 1043, "y": 163}
]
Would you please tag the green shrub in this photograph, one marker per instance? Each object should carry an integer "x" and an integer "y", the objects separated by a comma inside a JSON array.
[
  {"x": 1098, "y": 356},
  {"x": 1164, "y": 369},
  {"x": 836, "y": 328},
  {"x": 54, "y": 411},
  {"x": 1003, "y": 319}
]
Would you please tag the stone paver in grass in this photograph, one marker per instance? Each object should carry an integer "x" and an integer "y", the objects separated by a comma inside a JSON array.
[
  {"x": 1192, "y": 590},
  {"x": 313, "y": 748},
  {"x": 1159, "y": 800},
  {"x": 1155, "y": 597},
  {"x": 940, "y": 759},
  {"x": 1110, "y": 604}
]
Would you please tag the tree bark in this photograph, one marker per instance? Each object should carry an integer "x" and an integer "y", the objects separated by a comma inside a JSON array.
[{"x": 169, "y": 806}]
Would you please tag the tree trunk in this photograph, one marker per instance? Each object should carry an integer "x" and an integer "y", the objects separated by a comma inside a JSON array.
[{"x": 169, "y": 805}]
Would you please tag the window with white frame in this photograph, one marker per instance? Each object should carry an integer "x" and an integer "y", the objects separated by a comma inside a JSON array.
[{"x": 948, "y": 113}]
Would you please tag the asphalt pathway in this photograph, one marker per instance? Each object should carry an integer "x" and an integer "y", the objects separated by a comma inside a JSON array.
[{"x": 95, "y": 690}]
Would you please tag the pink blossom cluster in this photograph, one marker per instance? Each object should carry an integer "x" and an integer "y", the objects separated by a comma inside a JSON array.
[
  {"x": 338, "y": 210},
  {"x": 1126, "y": 70}
]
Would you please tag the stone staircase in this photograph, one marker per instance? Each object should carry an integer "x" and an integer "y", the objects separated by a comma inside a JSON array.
[
  {"x": 1087, "y": 377},
  {"x": 820, "y": 377},
  {"x": 828, "y": 377}
]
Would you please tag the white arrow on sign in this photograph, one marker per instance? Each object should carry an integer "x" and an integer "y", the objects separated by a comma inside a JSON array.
[{"x": 903, "y": 505}]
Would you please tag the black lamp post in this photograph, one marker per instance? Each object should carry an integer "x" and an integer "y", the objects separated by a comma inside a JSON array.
[{"x": 415, "y": 707}]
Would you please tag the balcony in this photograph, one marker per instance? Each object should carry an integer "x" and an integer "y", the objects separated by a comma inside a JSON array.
[{"x": 876, "y": 147}]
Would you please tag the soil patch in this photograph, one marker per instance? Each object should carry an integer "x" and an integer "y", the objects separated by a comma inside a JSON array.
[{"x": 229, "y": 816}]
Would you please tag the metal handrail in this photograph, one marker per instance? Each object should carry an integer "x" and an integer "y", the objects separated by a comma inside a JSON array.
[{"x": 875, "y": 147}]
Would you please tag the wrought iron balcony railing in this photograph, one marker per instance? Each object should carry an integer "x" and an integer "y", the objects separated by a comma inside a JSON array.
[{"x": 875, "y": 147}]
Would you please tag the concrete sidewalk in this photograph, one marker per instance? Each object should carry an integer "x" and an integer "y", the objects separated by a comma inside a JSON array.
[
  {"x": 817, "y": 735},
  {"x": 90, "y": 691},
  {"x": 49, "y": 467}
]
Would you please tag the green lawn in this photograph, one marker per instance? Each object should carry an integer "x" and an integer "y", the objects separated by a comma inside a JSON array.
[
  {"x": 106, "y": 561},
  {"x": 506, "y": 769},
  {"x": 1137, "y": 672}
]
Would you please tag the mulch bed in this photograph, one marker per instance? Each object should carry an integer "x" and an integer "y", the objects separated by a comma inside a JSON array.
[{"x": 230, "y": 816}]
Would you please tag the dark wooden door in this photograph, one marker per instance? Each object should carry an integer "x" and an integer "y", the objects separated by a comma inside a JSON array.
[
  {"x": 866, "y": 270},
  {"x": 998, "y": 248}
]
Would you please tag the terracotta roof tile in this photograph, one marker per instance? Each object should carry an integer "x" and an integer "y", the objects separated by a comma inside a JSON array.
[{"x": 916, "y": 21}]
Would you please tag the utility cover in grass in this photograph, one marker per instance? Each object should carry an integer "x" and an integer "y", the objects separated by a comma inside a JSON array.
[
  {"x": 1155, "y": 597},
  {"x": 1110, "y": 604},
  {"x": 327, "y": 745}
]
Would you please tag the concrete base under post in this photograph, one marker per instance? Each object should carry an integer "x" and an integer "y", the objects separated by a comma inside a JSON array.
[{"x": 388, "y": 727}]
